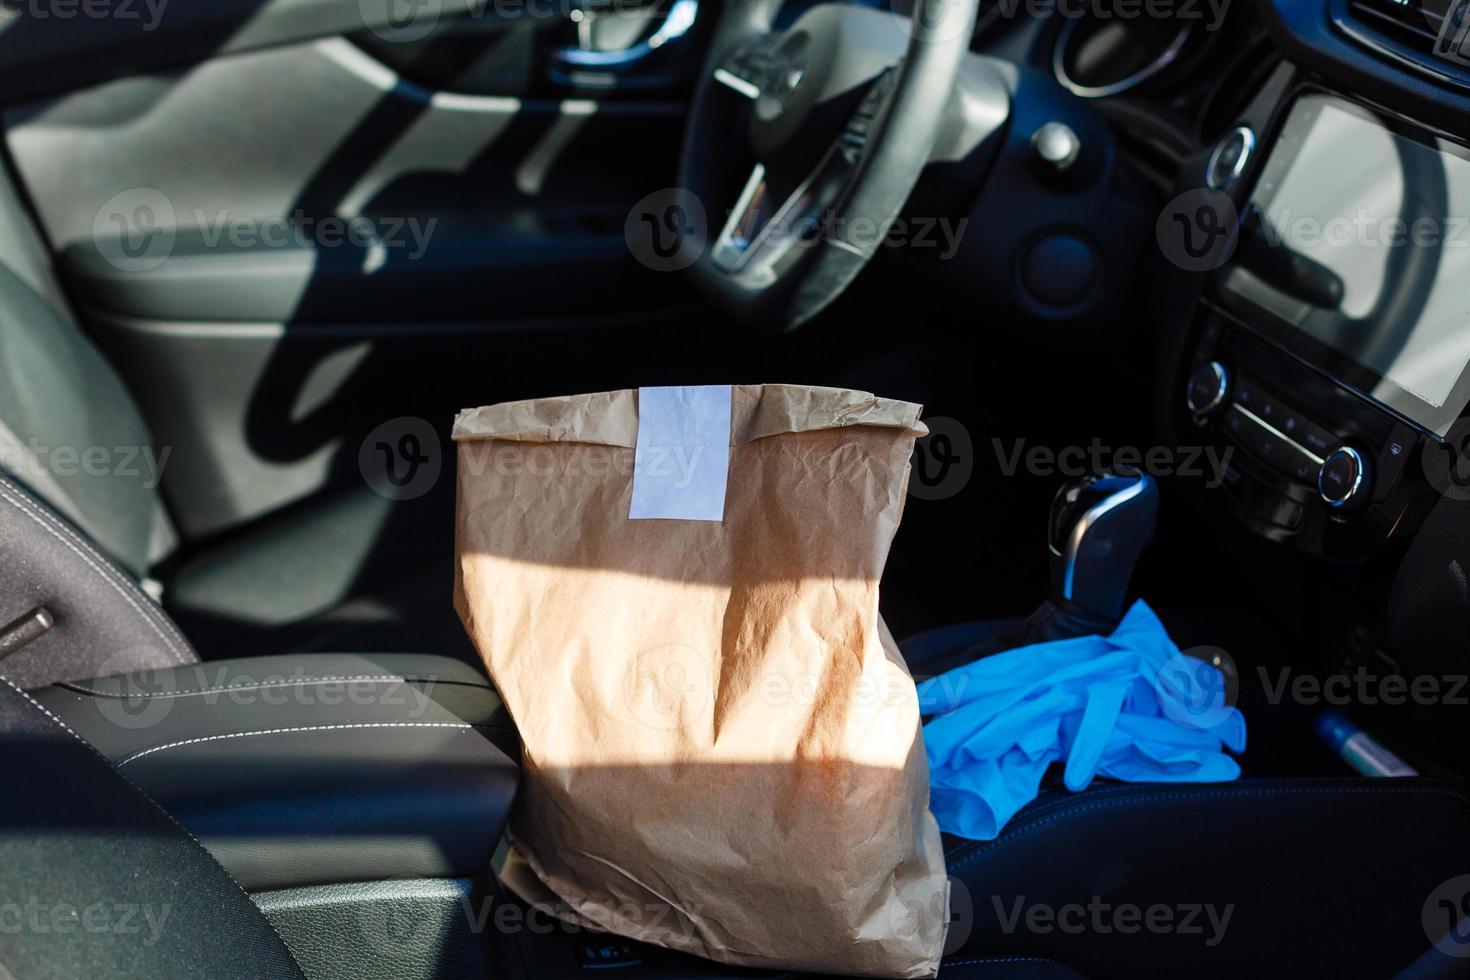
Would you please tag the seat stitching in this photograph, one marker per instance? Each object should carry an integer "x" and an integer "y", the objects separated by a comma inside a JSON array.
[
  {"x": 459, "y": 725},
  {"x": 285, "y": 682},
  {"x": 987, "y": 846},
  {"x": 46, "y": 522},
  {"x": 103, "y": 568},
  {"x": 188, "y": 835},
  {"x": 986, "y": 960}
]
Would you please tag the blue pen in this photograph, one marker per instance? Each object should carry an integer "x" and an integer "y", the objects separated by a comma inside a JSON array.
[{"x": 1359, "y": 749}]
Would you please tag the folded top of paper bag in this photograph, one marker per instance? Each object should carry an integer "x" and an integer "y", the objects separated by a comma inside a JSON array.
[{"x": 610, "y": 418}]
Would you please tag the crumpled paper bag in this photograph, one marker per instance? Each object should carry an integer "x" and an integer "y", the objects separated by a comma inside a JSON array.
[{"x": 722, "y": 750}]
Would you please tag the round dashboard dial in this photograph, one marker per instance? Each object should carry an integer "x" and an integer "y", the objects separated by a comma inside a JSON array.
[
  {"x": 1230, "y": 158},
  {"x": 1207, "y": 389},
  {"x": 1342, "y": 478}
]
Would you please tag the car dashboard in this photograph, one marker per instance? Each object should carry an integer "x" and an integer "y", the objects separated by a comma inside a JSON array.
[{"x": 1336, "y": 369}]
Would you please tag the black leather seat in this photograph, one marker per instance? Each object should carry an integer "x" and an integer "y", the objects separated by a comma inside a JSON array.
[
  {"x": 1290, "y": 867},
  {"x": 79, "y": 536},
  {"x": 97, "y": 881},
  {"x": 1303, "y": 861}
]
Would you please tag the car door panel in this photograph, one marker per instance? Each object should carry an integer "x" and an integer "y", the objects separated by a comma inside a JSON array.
[
  {"x": 260, "y": 239},
  {"x": 51, "y": 50},
  {"x": 255, "y": 167}
]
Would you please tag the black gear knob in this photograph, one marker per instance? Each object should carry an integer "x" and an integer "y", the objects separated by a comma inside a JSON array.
[{"x": 1098, "y": 530}]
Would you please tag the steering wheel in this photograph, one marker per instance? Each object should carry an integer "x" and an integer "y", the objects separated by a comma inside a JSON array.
[{"x": 804, "y": 144}]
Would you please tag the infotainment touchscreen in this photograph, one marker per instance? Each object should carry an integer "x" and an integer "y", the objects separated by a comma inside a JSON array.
[{"x": 1356, "y": 244}]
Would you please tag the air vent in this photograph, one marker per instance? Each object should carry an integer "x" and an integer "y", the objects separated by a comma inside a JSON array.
[
  {"x": 1413, "y": 23},
  {"x": 1427, "y": 34}
]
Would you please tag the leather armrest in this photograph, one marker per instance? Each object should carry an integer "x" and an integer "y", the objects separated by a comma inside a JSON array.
[{"x": 315, "y": 768}]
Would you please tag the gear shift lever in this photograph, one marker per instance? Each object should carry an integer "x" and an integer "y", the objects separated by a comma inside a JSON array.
[{"x": 1099, "y": 528}]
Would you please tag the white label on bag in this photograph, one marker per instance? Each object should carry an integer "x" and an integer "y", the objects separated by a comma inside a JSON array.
[{"x": 682, "y": 458}]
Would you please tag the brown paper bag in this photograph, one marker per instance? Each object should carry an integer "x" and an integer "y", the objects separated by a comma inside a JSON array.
[{"x": 722, "y": 751}]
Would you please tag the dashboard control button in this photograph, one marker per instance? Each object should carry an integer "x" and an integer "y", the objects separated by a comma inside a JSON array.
[
  {"x": 1268, "y": 447},
  {"x": 1291, "y": 423},
  {"x": 1248, "y": 394},
  {"x": 1259, "y": 440},
  {"x": 1208, "y": 388},
  {"x": 1265, "y": 443},
  {"x": 1059, "y": 270},
  {"x": 1343, "y": 478},
  {"x": 1230, "y": 158},
  {"x": 1209, "y": 334},
  {"x": 1391, "y": 459},
  {"x": 1302, "y": 468},
  {"x": 1318, "y": 439},
  {"x": 1266, "y": 505},
  {"x": 1269, "y": 410},
  {"x": 1056, "y": 147},
  {"x": 1280, "y": 416}
]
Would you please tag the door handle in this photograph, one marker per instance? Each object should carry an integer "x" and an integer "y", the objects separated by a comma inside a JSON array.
[{"x": 676, "y": 25}]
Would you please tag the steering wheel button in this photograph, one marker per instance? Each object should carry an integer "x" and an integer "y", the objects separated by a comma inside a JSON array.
[{"x": 871, "y": 101}]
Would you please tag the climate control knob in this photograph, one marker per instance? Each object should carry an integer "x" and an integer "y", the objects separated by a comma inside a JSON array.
[
  {"x": 1343, "y": 480},
  {"x": 1208, "y": 388}
]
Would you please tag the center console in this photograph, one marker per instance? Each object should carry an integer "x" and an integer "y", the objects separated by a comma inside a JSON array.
[
  {"x": 1332, "y": 347},
  {"x": 313, "y": 769}
]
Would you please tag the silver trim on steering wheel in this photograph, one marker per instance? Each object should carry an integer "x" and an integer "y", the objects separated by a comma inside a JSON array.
[
  {"x": 735, "y": 83},
  {"x": 803, "y": 211},
  {"x": 726, "y": 253}
]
